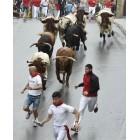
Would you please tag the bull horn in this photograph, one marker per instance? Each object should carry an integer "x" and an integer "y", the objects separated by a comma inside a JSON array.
[
  {"x": 29, "y": 61},
  {"x": 57, "y": 57},
  {"x": 33, "y": 44},
  {"x": 62, "y": 36},
  {"x": 72, "y": 59},
  {"x": 75, "y": 35},
  {"x": 49, "y": 45}
]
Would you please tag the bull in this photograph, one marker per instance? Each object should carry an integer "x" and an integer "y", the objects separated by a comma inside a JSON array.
[
  {"x": 105, "y": 20},
  {"x": 41, "y": 61},
  {"x": 75, "y": 34},
  {"x": 45, "y": 43},
  {"x": 64, "y": 62},
  {"x": 65, "y": 22},
  {"x": 51, "y": 24}
]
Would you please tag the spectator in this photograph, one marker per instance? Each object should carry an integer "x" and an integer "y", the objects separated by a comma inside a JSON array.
[
  {"x": 25, "y": 4},
  {"x": 57, "y": 5},
  {"x": 52, "y": 8},
  {"x": 92, "y": 4},
  {"x": 35, "y": 8},
  {"x": 62, "y": 7},
  {"x": 69, "y": 7},
  {"x": 98, "y": 6},
  {"x": 44, "y": 4}
]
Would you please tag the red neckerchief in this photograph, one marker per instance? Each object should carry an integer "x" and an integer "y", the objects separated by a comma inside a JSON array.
[
  {"x": 61, "y": 102},
  {"x": 35, "y": 74}
]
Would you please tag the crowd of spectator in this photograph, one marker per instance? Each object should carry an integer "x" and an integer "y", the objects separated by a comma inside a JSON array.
[{"x": 58, "y": 8}]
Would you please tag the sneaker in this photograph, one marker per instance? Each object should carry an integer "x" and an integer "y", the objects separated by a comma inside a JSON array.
[
  {"x": 29, "y": 114},
  {"x": 74, "y": 129},
  {"x": 34, "y": 123}
]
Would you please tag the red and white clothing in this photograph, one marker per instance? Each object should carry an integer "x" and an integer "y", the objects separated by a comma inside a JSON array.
[
  {"x": 91, "y": 4},
  {"x": 33, "y": 82},
  {"x": 60, "y": 114},
  {"x": 35, "y": 8},
  {"x": 44, "y": 4},
  {"x": 91, "y": 85},
  {"x": 108, "y": 4},
  {"x": 25, "y": 2}
]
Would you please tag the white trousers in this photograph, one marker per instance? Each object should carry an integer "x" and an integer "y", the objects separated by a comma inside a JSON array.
[
  {"x": 58, "y": 13},
  {"x": 35, "y": 12},
  {"x": 84, "y": 102},
  {"x": 91, "y": 12},
  {"x": 45, "y": 10},
  {"x": 59, "y": 132}
]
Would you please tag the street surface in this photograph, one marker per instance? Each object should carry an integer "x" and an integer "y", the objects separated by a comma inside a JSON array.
[{"x": 109, "y": 64}]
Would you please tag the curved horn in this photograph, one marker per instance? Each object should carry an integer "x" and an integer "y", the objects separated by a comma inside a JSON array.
[
  {"x": 64, "y": 56},
  {"x": 75, "y": 35},
  {"x": 33, "y": 44},
  {"x": 49, "y": 45},
  {"x": 29, "y": 61},
  {"x": 72, "y": 59},
  {"x": 62, "y": 36},
  {"x": 57, "y": 57}
]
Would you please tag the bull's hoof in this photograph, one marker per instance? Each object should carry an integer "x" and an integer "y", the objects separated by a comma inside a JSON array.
[
  {"x": 85, "y": 48},
  {"x": 77, "y": 48},
  {"x": 61, "y": 81},
  {"x": 85, "y": 38},
  {"x": 67, "y": 85},
  {"x": 104, "y": 41},
  {"x": 101, "y": 34},
  {"x": 112, "y": 33},
  {"x": 109, "y": 35}
]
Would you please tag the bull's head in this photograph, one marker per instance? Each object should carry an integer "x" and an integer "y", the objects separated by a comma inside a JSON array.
[
  {"x": 39, "y": 44},
  {"x": 50, "y": 23},
  {"x": 64, "y": 23},
  {"x": 64, "y": 62},
  {"x": 80, "y": 15},
  {"x": 105, "y": 20}
]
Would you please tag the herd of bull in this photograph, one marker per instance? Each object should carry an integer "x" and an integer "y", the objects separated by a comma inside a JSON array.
[{"x": 71, "y": 30}]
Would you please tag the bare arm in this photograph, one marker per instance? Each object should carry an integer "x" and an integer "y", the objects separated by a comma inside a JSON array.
[
  {"x": 76, "y": 118},
  {"x": 25, "y": 88},
  {"x": 45, "y": 120}
]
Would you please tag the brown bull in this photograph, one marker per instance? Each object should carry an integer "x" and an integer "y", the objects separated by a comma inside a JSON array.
[{"x": 64, "y": 62}]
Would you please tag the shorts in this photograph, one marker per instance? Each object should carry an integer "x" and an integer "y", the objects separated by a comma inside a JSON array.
[{"x": 32, "y": 99}]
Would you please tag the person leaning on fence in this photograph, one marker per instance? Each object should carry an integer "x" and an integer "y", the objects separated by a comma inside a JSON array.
[{"x": 59, "y": 111}]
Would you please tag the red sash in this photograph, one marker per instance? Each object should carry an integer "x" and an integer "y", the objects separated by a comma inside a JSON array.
[{"x": 68, "y": 134}]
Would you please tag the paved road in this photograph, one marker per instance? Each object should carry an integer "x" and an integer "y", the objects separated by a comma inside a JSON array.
[{"x": 109, "y": 64}]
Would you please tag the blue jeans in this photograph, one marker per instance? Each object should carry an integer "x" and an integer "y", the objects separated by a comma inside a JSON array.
[{"x": 32, "y": 99}]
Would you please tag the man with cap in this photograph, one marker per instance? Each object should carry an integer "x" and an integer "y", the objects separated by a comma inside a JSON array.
[{"x": 90, "y": 86}]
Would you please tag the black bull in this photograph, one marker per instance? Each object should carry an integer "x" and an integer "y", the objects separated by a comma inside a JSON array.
[{"x": 73, "y": 35}]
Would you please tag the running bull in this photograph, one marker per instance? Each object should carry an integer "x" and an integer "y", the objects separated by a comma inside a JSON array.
[{"x": 64, "y": 62}]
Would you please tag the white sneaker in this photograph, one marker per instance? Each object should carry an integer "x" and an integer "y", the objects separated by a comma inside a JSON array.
[
  {"x": 29, "y": 114},
  {"x": 34, "y": 123}
]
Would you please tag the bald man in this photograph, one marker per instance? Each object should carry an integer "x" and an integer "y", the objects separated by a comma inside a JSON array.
[{"x": 34, "y": 87}]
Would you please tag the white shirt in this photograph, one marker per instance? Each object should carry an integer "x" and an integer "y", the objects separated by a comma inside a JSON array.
[
  {"x": 33, "y": 82},
  {"x": 60, "y": 113}
]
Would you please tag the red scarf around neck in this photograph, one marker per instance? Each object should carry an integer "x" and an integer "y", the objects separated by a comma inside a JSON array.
[
  {"x": 61, "y": 102},
  {"x": 35, "y": 74}
]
